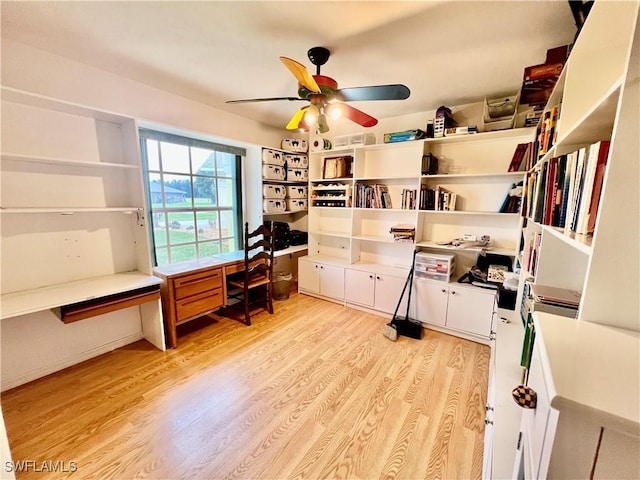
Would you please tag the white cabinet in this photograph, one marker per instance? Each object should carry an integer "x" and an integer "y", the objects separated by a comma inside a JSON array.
[
  {"x": 465, "y": 309},
  {"x": 379, "y": 291},
  {"x": 322, "y": 279},
  {"x": 586, "y": 423},
  {"x": 74, "y": 228}
]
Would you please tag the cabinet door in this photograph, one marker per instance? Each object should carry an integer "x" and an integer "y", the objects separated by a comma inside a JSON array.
[
  {"x": 387, "y": 295},
  {"x": 429, "y": 302},
  {"x": 361, "y": 287},
  {"x": 332, "y": 281},
  {"x": 308, "y": 276},
  {"x": 470, "y": 310}
]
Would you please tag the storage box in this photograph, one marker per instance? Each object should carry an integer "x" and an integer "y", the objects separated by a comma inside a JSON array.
[
  {"x": 296, "y": 161},
  {"x": 273, "y": 205},
  {"x": 354, "y": 139},
  {"x": 272, "y": 157},
  {"x": 296, "y": 204},
  {"x": 273, "y": 172},
  {"x": 295, "y": 145},
  {"x": 297, "y": 174},
  {"x": 297, "y": 191},
  {"x": 297, "y": 237},
  {"x": 434, "y": 266},
  {"x": 274, "y": 191}
]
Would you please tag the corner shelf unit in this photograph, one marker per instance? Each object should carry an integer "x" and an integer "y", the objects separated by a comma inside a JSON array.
[
  {"x": 473, "y": 166},
  {"x": 73, "y": 208}
]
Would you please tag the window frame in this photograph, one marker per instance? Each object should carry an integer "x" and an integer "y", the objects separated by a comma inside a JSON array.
[{"x": 236, "y": 207}]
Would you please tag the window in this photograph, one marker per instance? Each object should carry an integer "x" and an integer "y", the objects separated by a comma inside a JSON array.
[{"x": 194, "y": 195}]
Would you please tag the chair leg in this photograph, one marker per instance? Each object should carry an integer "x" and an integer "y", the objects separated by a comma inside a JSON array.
[
  {"x": 247, "y": 314},
  {"x": 270, "y": 298}
]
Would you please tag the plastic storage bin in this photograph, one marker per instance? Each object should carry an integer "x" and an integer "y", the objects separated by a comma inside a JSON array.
[
  {"x": 435, "y": 266},
  {"x": 272, "y": 157},
  {"x": 274, "y": 191},
  {"x": 297, "y": 191}
]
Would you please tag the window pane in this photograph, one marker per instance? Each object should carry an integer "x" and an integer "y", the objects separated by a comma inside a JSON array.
[
  {"x": 228, "y": 245},
  {"x": 203, "y": 161},
  {"x": 175, "y": 158},
  {"x": 177, "y": 191},
  {"x": 209, "y": 248},
  {"x": 160, "y": 228},
  {"x": 155, "y": 191},
  {"x": 183, "y": 253},
  {"x": 181, "y": 227},
  {"x": 162, "y": 256},
  {"x": 226, "y": 192},
  {"x": 153, "y": 158},
  {"x": 207, "y": 226},
  {"x": 226, "y": 163},
  {"x": 204, "y": 191},
  {"x": 228, "y": 226}
]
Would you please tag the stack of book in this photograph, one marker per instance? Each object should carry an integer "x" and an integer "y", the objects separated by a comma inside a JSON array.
[
  {"x": 565, "y": 191},
  {"x": 403, "y": 233},
  {"x": 560, "y": 297},
  {"x": 372, "y": 196}
]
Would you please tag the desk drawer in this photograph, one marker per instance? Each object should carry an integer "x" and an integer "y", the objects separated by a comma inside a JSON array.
[
  {"x": 198, "y": 304},
  {"x": 196, "y": 283}
]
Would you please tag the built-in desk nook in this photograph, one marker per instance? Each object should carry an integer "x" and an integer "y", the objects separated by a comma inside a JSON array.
[{"x": 192, "y": 289}]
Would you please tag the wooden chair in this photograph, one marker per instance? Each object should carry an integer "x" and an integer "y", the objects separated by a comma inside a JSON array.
[{"x": 255, "y": 284}]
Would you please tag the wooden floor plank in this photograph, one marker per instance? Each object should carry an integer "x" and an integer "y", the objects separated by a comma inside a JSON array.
[{"x": 313, "y": 391}]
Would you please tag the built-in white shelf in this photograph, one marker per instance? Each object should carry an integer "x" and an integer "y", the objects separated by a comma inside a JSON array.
[
  {"x": 285, "y": 212},
  {"x": 64, "y": 162},
  {"x": 329, "y": 233},
  {"x": 490, "y": 249},
  {"x": 475, "y": 175},
  {"x": 461, "y": 212},
  {"x": 69, "y": 210},
  {"x": 45, "y": 298}
]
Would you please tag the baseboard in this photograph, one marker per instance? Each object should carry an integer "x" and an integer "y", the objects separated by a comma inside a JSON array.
[{"x": 12, "y": 382}]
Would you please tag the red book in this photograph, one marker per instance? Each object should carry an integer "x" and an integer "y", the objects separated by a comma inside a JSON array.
[
  {"x": 551, "y": 192},
  {"x": 603, "y": 155}
]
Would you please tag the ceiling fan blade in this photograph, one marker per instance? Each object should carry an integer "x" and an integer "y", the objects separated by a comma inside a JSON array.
[
  {"x": 294, "y": 123},
  {"x": 251, "y": 100},
  {"x": 357, "y": 116},
  {"x": 301, "y": 73},
  {"x": 374, "y": 92}
]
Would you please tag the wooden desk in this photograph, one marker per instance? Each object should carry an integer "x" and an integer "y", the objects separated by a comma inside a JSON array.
[{"x": 192, "y": 289}]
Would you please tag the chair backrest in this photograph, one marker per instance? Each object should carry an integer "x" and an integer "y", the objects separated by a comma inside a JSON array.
[{"x": 258, "y": 251}]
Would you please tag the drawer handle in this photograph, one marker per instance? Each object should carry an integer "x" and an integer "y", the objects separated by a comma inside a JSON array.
[
  {"x": 198, "y": 279},
  {"x": 525, "y": 396},
  {"x": 488, "y": 422}
]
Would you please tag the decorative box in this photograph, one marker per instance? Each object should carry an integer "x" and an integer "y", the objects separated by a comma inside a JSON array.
[
  {"x": 272, "y": 157},
  {"x": 274, "y": 191},
  {"x": 296, "y": 161}
]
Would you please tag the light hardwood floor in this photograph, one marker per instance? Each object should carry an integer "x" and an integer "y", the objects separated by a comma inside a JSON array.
[{"x": 313, "y": 391}]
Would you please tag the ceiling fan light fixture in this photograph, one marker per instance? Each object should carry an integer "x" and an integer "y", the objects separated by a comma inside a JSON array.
[{"x": 333, "y": 110}]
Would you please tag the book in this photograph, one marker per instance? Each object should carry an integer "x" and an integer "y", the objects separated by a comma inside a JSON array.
[
  {"x": 538, "y": 208},
  {"x": 550, "y": 191},
  {"x": 577, "y": 189},
  {"x": 555, "y": 295},
  {"x": 517, "y": 161},
  {"x": 567, "y": 187},
  {"x": 603, "y": 156},
  {"x": 559, "y": 190},
  {"x": 596, "y": 151}
]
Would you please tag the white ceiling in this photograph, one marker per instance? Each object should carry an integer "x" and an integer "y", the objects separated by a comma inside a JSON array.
[{"x": 446, "y": 52}]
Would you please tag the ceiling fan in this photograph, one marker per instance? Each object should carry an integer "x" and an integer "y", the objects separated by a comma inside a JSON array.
[{"x": 326, "y": 99}]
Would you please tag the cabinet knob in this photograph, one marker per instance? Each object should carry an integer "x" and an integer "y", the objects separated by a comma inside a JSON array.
[
  {"x": 453, "y": 292},
  {"x": 444, "y": 290},
  {"x": 316, "y": 266},
  {"x": 377, "y": 277},
  {"x": 488, "y": 422},
  {"x": 321, "y": 267},
  {"x": 370, "y": 276}
]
